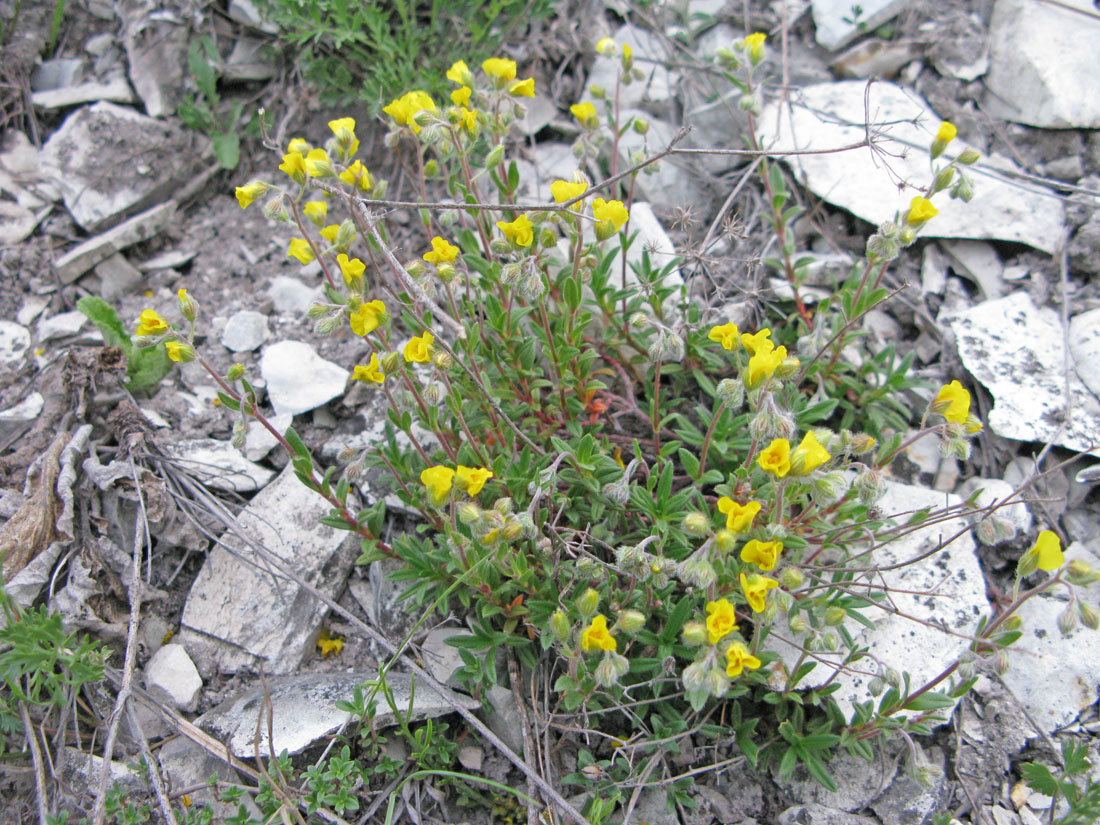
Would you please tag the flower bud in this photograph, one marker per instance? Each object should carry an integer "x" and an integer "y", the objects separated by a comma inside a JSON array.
[
  {"x": 617, "y": 491},
  {"x": 275, "y": 209},
  {"x": 943, "y": 179},
  {"x": 697, "y": 572},
  {"x": 893, "y": 678},
  {"x": 530, "y": 531},
  {"x": 495, "y": 156},
  {"x": 970, "y": 157},
  {"x": 828, "y": 488},
  {"x": 882, "y": 249},
  {"x": 696, "y": 524},
  {"x": 791, "y": 578},
  {"x": 548, "y": 238},
  {"x": 1001, "y": 663},
  {"x": 532, "y": 287},
  {"x": 189, "y": 307},
  {"x": 630, "y": 621},
  {"x": 731, "y": 392},
  {"x": 717, "y": 682},
  {"x": 469, "y": 512},
  {"x": 240, "y": 430},
  {"x": 797, "y": 624},
  {"x": 431, "y": 169},
  {"x": 835, "y": 616},
  {"x": 611, "y": 668},
  {"x": 869, "y": 486},
  {"x": 727, "y": 59},
  {"x": 667, "y": 346},
  {"x": 787, "y": 368},
  {"x": 442, "y": 360},
  {"x": 1090, "y": 618},
  {"x": 1067, "y": 621},
  {"x": 512, "y": 530},
  {"x": 694, "y": 676},
  {"x": 345, "y": 234},
  {"x": 963, "y": 190},
  {"x": 510, "y": 274},
  {"x": 876, "y": 686},
  {"x": 446, "y": 271},
  {"x": 327, "y": 325},
  {"x": 1080, "y": 573},
  {"x": 180, "y": 353},
  {"x": 391, "y": 362},
  {"x": 641, "y": 125},
  {"x": 861, "y": 443},
  {"x": 604, "y": 230},
  {"x": 831, "y": 642},
  {"x": 234, "y": 373},
  {"x": 415, "y": 268},
  {"x": 639, "y": 320},
  {"x": 694, "y": 634},
  {"x": 597, "y": 91},
  {"x": 888, "y": 230},
  {"x": 434, "y": 393},
  {"x": 1013, "y": 622},
  {"x": 587, "y": 603},
  {"x": 560, "y": 626},
  {"x": 724, "y": 541}
]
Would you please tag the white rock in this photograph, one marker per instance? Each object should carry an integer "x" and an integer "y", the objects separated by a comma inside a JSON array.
[
  {"x": 551, "y": 161},
  {"x": 441, "y": 659},
  {"x": 219, "y": 465},
  {"x": 57, "y": 73},
  {"x": 171, "y": 673},
  {"x": 1043, "y": 61},
  {"x": 84, "y": 256},
  {"x": 1018, "y": 352},
  {"x": 831, "y": 115},
  {"x": 834, "y": 31},
  {"x": 259, "y": 441},
  {"x": 1084, "y": 345},
  {"x": 979, "y": 262},
  {"x": 62, "y": 325},
  {"x": 31, "y": 309},
  {"x": 947, "y": 589},
  {"x": 92, "y": 139},
  {"x": 156, "y": 55},
  {"x": 303, "y": 709},
  {"x": 540, "y": 111},
  {"x": 26, "y": 410},
  {"x": 117, "y": 277},
  {"x": 155, "y": 418},
  {"x": 241, "y": 611},
  {"x": 245, "y": 331},
  {"x": 16, "y": 223},
  {"x": 933, "y": 270},
  {"x": 924, "y": 452},
  {"x": 290, "y": 295},
  {"x": 298, "y": 379},
  {"x": 650, "y": 55},
  {"x": 245, "y": 11},
  {"x": 116, "y": 90},
  {"x": 168, "y": 260}
]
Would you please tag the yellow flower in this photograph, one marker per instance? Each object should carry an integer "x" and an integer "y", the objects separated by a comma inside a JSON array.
[
  {"x": 755, "y": 588},
  {"x": 628, "y": 57},
  {"x": 1047, "y": 551},
  {"x": 403, "y": 110},
  {"x": 764, "y": 554},
  {"x": 316, "y": 211},
  {"x": 606, "y": 46},
  {"x": 330, "y": 232},
  {"x": 501, "y": 69},
  {"x": 612, "y": 211},
  {"x": 357, "y": 175},
  {"x": 442, "y": 250},
  {"x": 563, "y": 191},
  {"x": 921, "y": 210},
  {"x": 370, "y": 372},
  {"x": 469, "y": 120},
  {"x": 758, "y": 342},
  {"x": 249, "y": 192},
  {"x": 754, "y": 44},
  {"x": 294, "y": 165},
  {"x": 776, "y": 458},
  {"x": 460, "y": 73},
  {"x": 472, "y": 479},
  {"x": 523, "y": 88},
  {"x": 721, "y": 620},
  {"x": 738, "y": 516},
  {"x": 180, "y": 353},
  {"x": 368, "y": 317},
  {"x": 954, "y": 402},
  {"x": 438, "y": 480},
  {"x": 300, "y": 249},
  {"x": 351, "y": 268},
  {"x": 419, "y": 349},
  {"x": 318, "y": 164},
  {"x": 738, "y": 658},
  {"x": 344, "y": 129},
  {"x": 299, "y": 145},
  {"x": 808, "y": 455},
  {"x": 518, "y": 231},
  {"x": 764, "y": 363},
  {"x": 946, "y": 132},
  {"x": 329, "y": 645},
  {"x": 149, "y": 323},
  {"x": 461, "y": 96},
  {"x": 586, "y": 115},
  {"x": 726, "y": 335},
  {"x": 597, "y": 636}
]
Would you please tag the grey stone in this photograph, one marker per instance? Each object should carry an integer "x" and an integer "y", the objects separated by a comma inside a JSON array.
[
  {"x": 815, "y": 814},
  {"x": 298, "y": 379},
  {"x": 98, "y": 44},
  {"x": 156, "y": 49},
  {"x": 1084, "y": 345},
  {"x": 875, "y": 57},
  {"x": 172, "y": 259},
  {"x": 245, "y": 11},
  {"x": 831, "y": 115},
  {"x": 245, "y": 331},
  {"x": 539, "y": 111},
  {"x": 111, "y": 161},
  {"x": 671, "y": 181},
  {"x": 1018, "y": 352},
  {"x": 251, "y": 61},
  {"x": 652, "y": 808},
  {"x": 303, "y": 709},
  {"x": 921, "y": 590},
  {"x": 978, "y": 261},
  {"x": 79, "y": 771},
  {"x": 116, "y": 90},
  {"x": 907, "y": 802},
  {"x": 171, "y": 674},
  {"x": 84, "y": 256},
  {"x": 1011, "y": 519},
  {"x": 504, "y": 718},
  {"x": 219, "y": 465},
  {"x": 290, "y": 295},
  {"x": 186, "y": 765},
  {"x": 259, "y": 441},
  {"x": 471, "y": 757},
  {"x": 837, "y": 26},
  {"x": 62, "y": 325},
  {"x": 441, "y": 659},
  {"x": 16, "y": 223},
  {"x": 117, "y": 277},
  {"x": 1084, "y": 247},
  {"x": 552, "y": 161},
  {"x": 241, "y": 611},
  {"x": 24, "y": 412},
  {"x": 57, "y": 74},
  {"x": 858, "y": 782},
  {"x": 1030, "y": 82}
]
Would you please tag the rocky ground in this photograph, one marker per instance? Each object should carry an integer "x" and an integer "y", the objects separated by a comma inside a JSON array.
[{"x": 106, "y": 193}]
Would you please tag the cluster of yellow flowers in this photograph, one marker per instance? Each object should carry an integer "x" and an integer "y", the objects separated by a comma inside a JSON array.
[
  {"x": 766, "y": 358},
  {"x": 439, "y": 480},
  {"x": 152, "y": 329}
]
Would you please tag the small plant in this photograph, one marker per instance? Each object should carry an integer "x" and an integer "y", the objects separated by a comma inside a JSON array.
[
  {"x": 145, "y": 366},
  {"x": 1081, "y": 792},
  {"x": 206, "y": 113}
]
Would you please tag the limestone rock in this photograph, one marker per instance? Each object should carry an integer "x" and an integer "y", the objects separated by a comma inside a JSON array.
[
  {"x": 84, "y": 256},
  {"x": 837, "y": 26},
  {"x": 14, "y": 340},
  {"x": 170, "y": 673},
  {"x": 298, "y": 379},
  {"x": 219, "y": 465},
  {"x": 245, "y": 331},
  {"x": 1084, "y": 345}
]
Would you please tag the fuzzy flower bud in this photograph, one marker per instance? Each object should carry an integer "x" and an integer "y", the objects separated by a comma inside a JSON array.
[
  {"x": 189, "y": 307},
  {"x": 717, "y": 682},
  {"x": 943, "y": 179},
  {"x": 694, "y": 676},
  {"x": 697, "y": 572},
  {"x": 963, "y": 190},
  {"x": 731, "y": 392},
  {"x": 667, "y": 346},
  {"x": 612, "y": 667},
  {"x": 587, "y": 603},
  {"x": 1090, "y": 618},
  {"x": 641, "y": 125},
  {"x": 835, "y": 616},
  {"x": 617, "y": 491},
  {"x": 694, "y": 634},
  {"x": 881, "y": 248},
  {"x": 234, "y": 373},
  {"x": 532, "y": 287},
  {"x": 1013, "y": 622},
  {"x": 970, "y": 157},
  {"x": 696, "y": 524},
  {"x": 797, "y": 624},
  {"x": 861, "y": 443},
  {"x": 1067, "y": 621},
  {"x": 876, "y": 686},
  {"x": 240, "y": 430},
  {"x": 512, "y": 530},
  {"x": 597, "y": 91},
  {"x": 442, "y": 360},
  {"x": 1080, "y": 573},
  {"x": 724, "y": 541},
  {"x": 869, "y": 486},
  {"x": 828, "y": 488},
  {"x": 275, "y": 209},
  {"x": 328, "y": 325},
  {"x": 639, "y": 320},
  {"x": 727, "y": 59},
  {"x": 791, "y": 578},
  {"x": 560, "y": 626},
  {"x": 469, "y": 513},
  {"x": 630, "y": 621}
]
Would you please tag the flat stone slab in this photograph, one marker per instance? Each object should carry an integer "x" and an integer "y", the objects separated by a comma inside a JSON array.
[
  {"x": 837, "y": 27},
  {"x": 111, "y": 162},
  {"x": 219, "y": 465},
  {"x": 1018, "y": 352},
  {"x": 241, "y": 612},
  {"x": 84, "y": 256},
  {"x": 831, "y": 115},
  {"x": 303, "y": 709},
  {"x": 298, "y": 379},
  {"x": 945, "y": 590}
]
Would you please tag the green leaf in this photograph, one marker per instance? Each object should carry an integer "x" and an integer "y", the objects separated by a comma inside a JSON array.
[
  {"x": 103, "y": 315},
  {"x": 689, "y": 462},
  {"x": 228, "y": 402},
  {"x": 1039, "y": 778},
  {"x": 296, "y": 443},
  {"x": 227, "y": 149},
  {"x": 147, "y": 367},
  {"x": 933, "y": 700},
  {"x": 202, "y": 71},
  {"x": 571, "y": 292}
]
